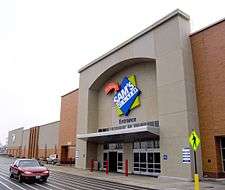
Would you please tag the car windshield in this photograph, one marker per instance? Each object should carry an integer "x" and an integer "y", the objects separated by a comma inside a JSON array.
[{"x": 29, "y": 163}]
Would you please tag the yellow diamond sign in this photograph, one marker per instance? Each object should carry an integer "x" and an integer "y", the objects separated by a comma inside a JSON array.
[{"x": 194, "y": 140}]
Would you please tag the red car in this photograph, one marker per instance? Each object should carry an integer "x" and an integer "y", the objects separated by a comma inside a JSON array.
[{"x": 28, "y": 169}]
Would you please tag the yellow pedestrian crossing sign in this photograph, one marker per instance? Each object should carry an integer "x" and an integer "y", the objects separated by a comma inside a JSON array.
[{"x": 194, "y": 140}]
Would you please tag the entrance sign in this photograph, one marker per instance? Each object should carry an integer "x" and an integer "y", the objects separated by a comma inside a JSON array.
[
  {"x": 194, "y": 140},
  {"x": 186, "y": 156},
  {"x": 126, "y": 95}
]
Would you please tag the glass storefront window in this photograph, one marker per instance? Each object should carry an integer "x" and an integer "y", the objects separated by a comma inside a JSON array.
[
  {"x": 150, "y": 157},
  {"x": 156, "y": 144},
  {"x": 146, "y": 157},
  {"x": 222, "y": 145},
  {"x": 156, "y": 157},
  {"x": 113, "y": 146},
  {"x": 223, "y": 142},
  {"x": 136, "y": 145},
  {"x": 150, "y": 144},
  {"x": 143, "y": 145},
  {"x": 106, "y": 146}
]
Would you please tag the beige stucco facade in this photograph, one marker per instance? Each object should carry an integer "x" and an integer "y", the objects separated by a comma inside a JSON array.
[
  {"x": 160, "y": 57},
  {"x": 25, "y": 142},
  {"x": 15, "y": 138}
]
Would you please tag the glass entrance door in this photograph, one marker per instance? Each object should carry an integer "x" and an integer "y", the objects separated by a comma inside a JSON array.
[
  {"x": 105, "y": 158},
  {"x": 119, "y": 161},
  {"x": 146, "y": 158},
  {"x": 113, "y": 157}
]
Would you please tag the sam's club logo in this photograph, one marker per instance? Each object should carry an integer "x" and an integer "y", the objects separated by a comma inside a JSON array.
[{"x": 127, "y": 95}]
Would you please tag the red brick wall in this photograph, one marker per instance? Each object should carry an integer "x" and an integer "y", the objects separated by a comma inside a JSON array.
[
  {"x": 208, "y": 49},
  {"x": 68, "y": 121},
  {"x": 15, "y": 152},
  {"x": 42, "y": 153}
]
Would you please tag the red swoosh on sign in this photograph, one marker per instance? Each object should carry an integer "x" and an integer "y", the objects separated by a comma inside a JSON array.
[{"x": 111, "y": 87}]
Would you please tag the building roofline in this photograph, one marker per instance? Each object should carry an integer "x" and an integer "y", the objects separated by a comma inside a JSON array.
[
  {"x": 138, "y": 35},
  {"x": 207, "y": 27},
  {"x": 49, "y": 123},
  {"x": 16, "y": 129},
  {"x": 70, "y": 92}
]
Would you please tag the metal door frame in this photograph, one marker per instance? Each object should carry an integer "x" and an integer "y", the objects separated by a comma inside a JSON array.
[{"x": 117, "y": 151}]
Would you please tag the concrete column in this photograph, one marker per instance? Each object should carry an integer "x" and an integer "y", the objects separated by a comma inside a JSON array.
[{"x": 176, "y": 95}]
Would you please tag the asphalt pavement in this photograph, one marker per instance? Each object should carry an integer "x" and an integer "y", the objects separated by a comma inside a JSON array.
[{"x": 58, "y": 181}]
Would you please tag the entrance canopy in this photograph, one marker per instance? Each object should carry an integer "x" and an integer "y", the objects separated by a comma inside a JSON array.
[{"x": 122, "y": 135}]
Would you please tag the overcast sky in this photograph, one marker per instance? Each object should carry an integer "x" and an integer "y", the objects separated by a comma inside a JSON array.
[{"x": 43, "y": 44}]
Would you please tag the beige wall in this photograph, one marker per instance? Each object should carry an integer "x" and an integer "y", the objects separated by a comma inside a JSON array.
[
  {"x": 146, "y": 82},
  {"x": 25, "y": 144},
  {"x": 166, "y": 43},
  {"x": 49, "y": 135},
  {"x": 18, "y": 138}
]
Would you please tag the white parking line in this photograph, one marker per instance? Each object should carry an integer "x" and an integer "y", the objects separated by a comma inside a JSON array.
[
  {"x": 79, "y": 185},
  {"x": 43, "y": 186},
  {"x": 12, "y": 183},
  {"x": 55, "y": 186},
  {"x": 92, "y": 182},
  {"x": 6, "y": 186},
  {"x": 31, "y": 186},
  {"x": 64, "y": 185},
  {"x": 87, "y": 182},
  {"x": 23, "y": 183},
  {"x": 37, "y": 184}
]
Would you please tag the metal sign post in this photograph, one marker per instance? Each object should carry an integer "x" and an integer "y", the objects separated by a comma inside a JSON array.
[{"x": 194, "y": 141}]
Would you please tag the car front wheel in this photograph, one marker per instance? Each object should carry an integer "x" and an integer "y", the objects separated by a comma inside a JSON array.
[
  {"x": 11, "y": 175},
  {"x": 20, "y": 178}
]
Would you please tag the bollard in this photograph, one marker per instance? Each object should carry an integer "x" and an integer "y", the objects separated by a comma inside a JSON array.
[
  {"x": 126, "y": 168},
  {"x": 92, "y": 165},
  {"x": 197, "y": 187},
  {"x": 107, "y": 167}
]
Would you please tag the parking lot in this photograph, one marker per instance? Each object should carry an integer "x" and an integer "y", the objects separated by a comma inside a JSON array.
[{"x": 58, "y": 181}]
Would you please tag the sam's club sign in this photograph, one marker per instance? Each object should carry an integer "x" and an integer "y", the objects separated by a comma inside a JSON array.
[{"x": 126, "y": 95}]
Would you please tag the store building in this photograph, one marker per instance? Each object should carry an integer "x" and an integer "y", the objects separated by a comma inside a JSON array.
[
  {"x": 138, "y": 103},
  {"x": 15, "y": 142},
  {"x": 208, "y": 49},
  {"x": 68, "y": 125},
  {"x": 25, "y": 143},
  {"x": 35, "y": 142},
  {"x": 48, "y": 139}
]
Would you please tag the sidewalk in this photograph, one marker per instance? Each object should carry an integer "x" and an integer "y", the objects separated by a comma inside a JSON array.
[{"x": 142, "y": 181}]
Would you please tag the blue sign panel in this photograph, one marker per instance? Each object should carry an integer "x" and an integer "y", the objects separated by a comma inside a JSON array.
[{"x": 125, "y": 97}]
